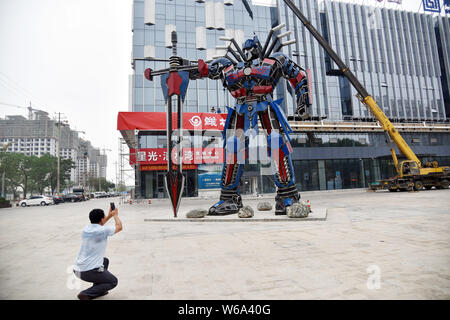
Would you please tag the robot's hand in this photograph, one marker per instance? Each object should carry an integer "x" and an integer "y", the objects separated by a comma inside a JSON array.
[
  {"x": 148, "y": 74},
  {"x": 303, "y": 106}
]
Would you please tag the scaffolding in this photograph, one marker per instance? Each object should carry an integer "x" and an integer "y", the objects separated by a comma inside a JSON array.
[{"x": 127, "y": 170}]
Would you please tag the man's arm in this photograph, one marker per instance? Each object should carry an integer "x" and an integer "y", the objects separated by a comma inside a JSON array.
[
  {"x": 109, "y": 216},
  {"x": 119, "y": 227}
]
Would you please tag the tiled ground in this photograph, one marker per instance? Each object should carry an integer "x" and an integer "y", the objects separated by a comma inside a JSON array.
[{"x": 371, "y": 246}]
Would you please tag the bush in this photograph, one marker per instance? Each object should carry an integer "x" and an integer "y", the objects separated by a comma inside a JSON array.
[{"x": 4, "y": 203}]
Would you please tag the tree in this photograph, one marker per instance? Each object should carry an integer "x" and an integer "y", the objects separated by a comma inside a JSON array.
[
  {"x": 121, "y": 187},
  {"x": 25, "y": 165},
  {"x": 105, "y": 185},
  {"x": 64, "y": 173},
  {"x": 40, "y": 172},
  {"x": 9, "y": 163}
]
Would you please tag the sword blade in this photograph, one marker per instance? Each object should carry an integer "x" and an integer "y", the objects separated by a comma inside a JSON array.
[{"x": 174, "y": 180}]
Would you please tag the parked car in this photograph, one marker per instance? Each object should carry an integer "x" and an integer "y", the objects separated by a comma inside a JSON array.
[
  {"x": 100, "y": 194},
  {"x": 80, "y": 195},
  {"x": 58, "y": 199},
  {"x": 36, "y": 201},
  {"x": 80, "y": 192},
  {"x": 72, "y": 197}
]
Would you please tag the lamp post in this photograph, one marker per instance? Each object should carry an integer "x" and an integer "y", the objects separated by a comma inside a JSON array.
[
  {"x": 59, "y": 124},
  {"x": 78, "y": 156}
]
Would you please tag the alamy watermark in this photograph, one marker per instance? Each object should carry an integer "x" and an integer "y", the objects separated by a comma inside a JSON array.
[{"x": 374, "y": 279}]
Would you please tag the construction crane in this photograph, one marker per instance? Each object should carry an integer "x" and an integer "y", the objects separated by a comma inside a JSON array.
[
  {"x": 411, "y": 174},
  {"x": 29, "y": 108}
]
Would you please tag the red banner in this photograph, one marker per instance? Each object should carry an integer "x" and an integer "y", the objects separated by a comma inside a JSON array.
[
  {"x": 190, "y": 156},
  {"x": 157, "y": 121}
]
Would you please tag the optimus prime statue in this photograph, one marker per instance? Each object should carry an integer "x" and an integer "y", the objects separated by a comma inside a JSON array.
[
  {"x": 251, "y": 81},
  {"x": 251, "y": 75}
]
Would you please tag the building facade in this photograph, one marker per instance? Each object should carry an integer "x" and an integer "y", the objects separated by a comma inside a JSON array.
[{"x": 401, "y": 57}]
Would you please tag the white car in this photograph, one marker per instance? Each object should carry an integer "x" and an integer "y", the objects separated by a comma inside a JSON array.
[
  {"x": 36, "y": 201},
  {"x": 100, "y": 194}
]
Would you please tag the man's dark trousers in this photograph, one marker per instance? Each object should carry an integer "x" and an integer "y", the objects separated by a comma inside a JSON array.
[{"x": 103, "y": 281}]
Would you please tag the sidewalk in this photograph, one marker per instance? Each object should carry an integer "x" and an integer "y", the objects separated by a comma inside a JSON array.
[{"x": 371, "y": 246}]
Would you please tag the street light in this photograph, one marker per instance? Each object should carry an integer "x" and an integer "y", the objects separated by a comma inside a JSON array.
[{"x": 59, "y": 124}]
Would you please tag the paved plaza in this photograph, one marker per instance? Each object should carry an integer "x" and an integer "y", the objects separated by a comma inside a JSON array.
[{"x": 367, "y": 246}]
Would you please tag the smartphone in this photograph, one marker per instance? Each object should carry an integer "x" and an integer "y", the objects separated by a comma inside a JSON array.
[{"x": 112, "y": 206}]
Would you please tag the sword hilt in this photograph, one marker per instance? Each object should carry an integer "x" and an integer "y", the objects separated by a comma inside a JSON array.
[{"x": 174, "y": 61}]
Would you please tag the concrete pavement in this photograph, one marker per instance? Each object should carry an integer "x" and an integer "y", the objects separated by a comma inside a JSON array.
[{"x": 371, "y": 246}]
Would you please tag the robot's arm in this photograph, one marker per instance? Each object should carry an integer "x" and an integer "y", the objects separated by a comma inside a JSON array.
[
  {"x": 294, "y": 73},
  {"x": 212, "y": 70}
]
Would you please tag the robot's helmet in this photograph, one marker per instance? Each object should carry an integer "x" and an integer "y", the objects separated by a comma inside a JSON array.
[{"x": 252, "y": 48}]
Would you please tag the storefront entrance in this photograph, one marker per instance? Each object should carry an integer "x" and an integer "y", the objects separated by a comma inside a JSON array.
[
  {"x": 161, "y": 191},
  {"x": 153, "y": 186}
]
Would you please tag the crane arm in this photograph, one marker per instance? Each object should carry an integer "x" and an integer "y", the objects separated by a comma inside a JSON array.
[{"x": 365, "y": 97}]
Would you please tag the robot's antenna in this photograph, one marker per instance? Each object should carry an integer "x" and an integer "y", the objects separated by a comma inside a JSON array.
[
  {"x": 271, "y": 32},
  {"x": 236, "y": 45},
  {"x": 278, "y": 39},
  {"x": 230, "y": 50},
  {"x": 287, "y": 43}
]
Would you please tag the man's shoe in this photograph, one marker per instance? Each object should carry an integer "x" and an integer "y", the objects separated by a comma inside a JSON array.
[{"x": 82, "y": 296}]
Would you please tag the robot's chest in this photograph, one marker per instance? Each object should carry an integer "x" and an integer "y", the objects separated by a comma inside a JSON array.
[{"x": 252, "y": 73}]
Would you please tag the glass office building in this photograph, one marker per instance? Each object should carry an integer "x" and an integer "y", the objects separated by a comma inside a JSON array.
[{"x": 401, "y": 57}]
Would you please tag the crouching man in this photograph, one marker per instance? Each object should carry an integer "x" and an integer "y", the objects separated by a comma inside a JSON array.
[{"x": 91, "y": 264}]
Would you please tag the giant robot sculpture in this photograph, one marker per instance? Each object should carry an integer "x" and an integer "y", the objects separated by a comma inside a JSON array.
[{"x": 251, "y": 75}]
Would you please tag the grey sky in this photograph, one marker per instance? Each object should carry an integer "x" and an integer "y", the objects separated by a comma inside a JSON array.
[
  {"x": 70, "y": 56},
  {"x": 73, "y": 56}
]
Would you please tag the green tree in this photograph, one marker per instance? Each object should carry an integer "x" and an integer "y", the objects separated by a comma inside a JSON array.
[
  {"x": 41, "y": 170},
  {"x": 105, "y": 185},
  {"x": 121, "y": 187},
  {"x": 9, "y": 163},
  {"x": 65, "y": 165}
]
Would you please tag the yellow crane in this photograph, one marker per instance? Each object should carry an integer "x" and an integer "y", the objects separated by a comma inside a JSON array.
[{"x": 411, "y": 174}]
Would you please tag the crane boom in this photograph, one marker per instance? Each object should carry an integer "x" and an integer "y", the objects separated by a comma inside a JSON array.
[{"x": 365, "y": 97}]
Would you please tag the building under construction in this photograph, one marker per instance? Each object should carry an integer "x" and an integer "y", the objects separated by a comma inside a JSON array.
[{"x": 39, "y": 135}]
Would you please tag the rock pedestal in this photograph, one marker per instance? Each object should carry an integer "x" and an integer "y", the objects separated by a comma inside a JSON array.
[
  {"x": 246, "y": 212},
  {"x": 196, "y": 213}
]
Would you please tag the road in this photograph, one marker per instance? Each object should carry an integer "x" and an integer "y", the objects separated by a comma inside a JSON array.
[{"x": 371, "y": 246}]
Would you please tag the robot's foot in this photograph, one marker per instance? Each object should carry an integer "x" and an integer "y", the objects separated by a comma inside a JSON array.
[
  {"x": 286, "y": 197},
  {"x": 228, "y": 204}
]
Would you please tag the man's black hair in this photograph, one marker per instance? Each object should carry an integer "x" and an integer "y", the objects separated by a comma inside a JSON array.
[{"x": 96, "y": 215}]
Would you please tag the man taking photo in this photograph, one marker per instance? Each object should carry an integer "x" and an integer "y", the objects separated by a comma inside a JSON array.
[{"x": 91, "y": 264}]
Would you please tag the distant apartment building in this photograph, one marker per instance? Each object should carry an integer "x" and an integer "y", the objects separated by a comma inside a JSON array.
[{"x": 39, "y": 134}]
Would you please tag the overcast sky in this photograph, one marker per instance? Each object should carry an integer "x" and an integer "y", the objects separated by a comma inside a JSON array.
[
  {"x": 70, "y": 56},
  {"x": 73, "y": 56}
]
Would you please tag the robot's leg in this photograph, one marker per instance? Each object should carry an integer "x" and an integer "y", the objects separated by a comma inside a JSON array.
[
  {"x": 235, "y": 155},
  {"x": 279, "y": 150}
]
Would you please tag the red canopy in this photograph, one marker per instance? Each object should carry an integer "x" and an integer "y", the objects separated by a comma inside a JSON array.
[
  {"x": 156, "y": 121},
  {"x": 127, "y": 122}
]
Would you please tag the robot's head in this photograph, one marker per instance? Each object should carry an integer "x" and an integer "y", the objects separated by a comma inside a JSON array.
[{"x": 252, "y": 48}]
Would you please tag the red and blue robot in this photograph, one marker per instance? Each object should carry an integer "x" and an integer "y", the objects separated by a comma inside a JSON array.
[{"x": 250, "y": 74}]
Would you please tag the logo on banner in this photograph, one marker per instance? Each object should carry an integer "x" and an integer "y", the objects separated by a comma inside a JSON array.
[
  {"x": 195, "y": 121},
  {"x": 432, "y": 5}
]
